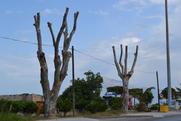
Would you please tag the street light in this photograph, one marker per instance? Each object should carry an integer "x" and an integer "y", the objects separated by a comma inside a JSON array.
[{"x": 168, "y": 55}]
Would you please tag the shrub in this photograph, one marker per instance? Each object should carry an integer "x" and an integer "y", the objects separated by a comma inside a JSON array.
[
  {"x": 30, "y": 107},
  {"x": 64, "y": 105},
  {"x": 96, "y": 105},
  {"x": 155, "y": 107},
  {"x": 116, "y": 103},
  {"x": 5, "y": 106},
  {"x": 13, "y": 117},
  {"x": 17, "y": 106},
  {"x": 141, "y": 107}
]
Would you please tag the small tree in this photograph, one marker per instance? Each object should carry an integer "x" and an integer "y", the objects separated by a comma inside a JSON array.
[
  {"x": 64, "y": 105},
  {"x": 115, "y": 103},
  {"x": 147, "y": 96},
  {"x": 60, "y": 65},
  {"x": 124, "y": 74},
  {"x": 116, "y": 89},
  {"x": 86, "y": 90},
  {"x": 174, "y": 93},
  {"x": 96, "y": 105}
]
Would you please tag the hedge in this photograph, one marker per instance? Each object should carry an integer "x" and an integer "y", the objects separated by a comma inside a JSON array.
[{"x": 18, "y": 106}]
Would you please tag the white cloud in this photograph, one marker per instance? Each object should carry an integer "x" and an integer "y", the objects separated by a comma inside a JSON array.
[
  {"x": 139, "y": 5},
  {"x": 171, "y": 2},
  {"x": 99, "y": 12},
  {"x": 51, "y": 11},
  {"x": 129, "y": 5},
  {"x": 131, "y": 40}
]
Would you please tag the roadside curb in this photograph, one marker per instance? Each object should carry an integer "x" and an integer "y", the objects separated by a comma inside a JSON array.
[{"x": 151, "y": 114}]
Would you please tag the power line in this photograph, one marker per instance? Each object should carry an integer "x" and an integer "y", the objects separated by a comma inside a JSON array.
[
  {"x": 23, "y": 41},
  {"x": 106, "y": 62},
  {"x": 76, "y": 50},
  {"x": 91, "y": 56}
]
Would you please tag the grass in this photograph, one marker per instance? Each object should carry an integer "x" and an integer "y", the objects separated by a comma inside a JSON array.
[
  {"x": 108, "y": 113},
  {"x": 14, "y": 117}
]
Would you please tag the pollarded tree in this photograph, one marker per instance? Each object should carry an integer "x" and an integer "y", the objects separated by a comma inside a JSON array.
[
  {"x": 124, "y": 74},
  {"x": 60, "y": 64}
]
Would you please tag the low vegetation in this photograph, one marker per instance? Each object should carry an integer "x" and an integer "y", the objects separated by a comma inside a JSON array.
[
  {"x": 27, "y": 107},
  {"x": 14, "y": 117}
]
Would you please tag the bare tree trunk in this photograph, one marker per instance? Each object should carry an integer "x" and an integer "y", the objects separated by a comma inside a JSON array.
[
  {"x": 60, "y": 65},
  {"x": 124, "y": 74},
  {"x": 125, "y": 96}
]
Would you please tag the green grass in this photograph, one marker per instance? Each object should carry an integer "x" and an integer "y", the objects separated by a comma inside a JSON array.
[{"x": 13, "y": 117}]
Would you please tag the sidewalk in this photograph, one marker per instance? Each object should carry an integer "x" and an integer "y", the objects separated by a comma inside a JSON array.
[
  {"x": 151, "y": 114},
  {"x": 71, "y": 119}
]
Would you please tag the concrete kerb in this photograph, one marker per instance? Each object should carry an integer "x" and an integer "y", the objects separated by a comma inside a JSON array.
[
  {"x": 151, "y": 114},
  {"x": 71, "y": 119}
]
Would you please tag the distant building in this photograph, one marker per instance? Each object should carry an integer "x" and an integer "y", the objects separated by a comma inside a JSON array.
[{"x": 23, "y": 97}]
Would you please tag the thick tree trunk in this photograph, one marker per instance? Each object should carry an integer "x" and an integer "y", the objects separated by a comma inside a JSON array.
[
  {"x": 125, "y": 96},
  {"x": 50, "y": 106}
]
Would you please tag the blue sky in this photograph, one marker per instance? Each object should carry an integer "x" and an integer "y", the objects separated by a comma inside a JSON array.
[{"x": 101, "y": 24}]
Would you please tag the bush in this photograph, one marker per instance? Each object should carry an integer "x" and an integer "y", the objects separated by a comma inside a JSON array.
[
  {"x": 17, "y": 106},
  {"x": 81, "y": 104},
  {"x": 96, "y": 105},
  {"x": 155, "y": 107},
  {"x": 5, "y": 105},
  {"x": 116, "y": 103},
  {"x": 30, "y": 107},
  {"x": 13, "y": 117},
  {"x": 141, "y": 107},
  {"x": 64, "y": 105}
]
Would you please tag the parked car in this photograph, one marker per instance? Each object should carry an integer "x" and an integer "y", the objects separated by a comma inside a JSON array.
[{"x": 110, "y": 95}]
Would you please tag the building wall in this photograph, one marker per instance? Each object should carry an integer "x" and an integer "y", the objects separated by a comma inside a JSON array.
[{"x": 23, "y": 97}]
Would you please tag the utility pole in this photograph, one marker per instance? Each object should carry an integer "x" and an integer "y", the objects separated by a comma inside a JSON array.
[
  {"x": 73, "y": 80},
  {"x": 158, "y": 91},
  {"x": 168, "y": 56}
]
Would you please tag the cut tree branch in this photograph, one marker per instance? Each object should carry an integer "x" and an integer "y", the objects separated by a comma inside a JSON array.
[
  {"x": 62, "y": 27},
  {"x": 41, "y": 57},
  {"x": 134, "y": 61},
  {"x": 125, "y": 60},
  {"x": 68, "y": 39},
  {"x": 120, "y": 59},
  {"x": 116, "y": 63},
  {"x": 52, "y": 34},
  {"x": 38, "y": 31}
]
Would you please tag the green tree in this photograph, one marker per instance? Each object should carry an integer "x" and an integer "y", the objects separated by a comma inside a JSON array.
[
  {"x": 94, "y": 82},
  {"x": 147, "y": 96},
  {"x": 116, "y": 89},
  {"x": 165, "y": 93},
  {"x": 63, "y": 105},
  {"x": 135, "y": 92},
  {"x": 116, "y": 103},
  {"x": 96, "y": 105},
  {"x": 85, "y": 90}
]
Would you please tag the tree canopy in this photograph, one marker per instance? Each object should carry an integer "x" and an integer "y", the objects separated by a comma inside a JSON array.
[
  {"x": 165, "y": 93},
  {"x": 85, "y": 90}
]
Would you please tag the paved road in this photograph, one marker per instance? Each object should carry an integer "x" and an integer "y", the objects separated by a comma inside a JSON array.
[
  {"x": 168, "y": 118},
  {"x": 127, "y": 119}
]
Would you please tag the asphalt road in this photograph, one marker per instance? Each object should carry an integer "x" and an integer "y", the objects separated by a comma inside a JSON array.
[{"x": 169, "y": 118}]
